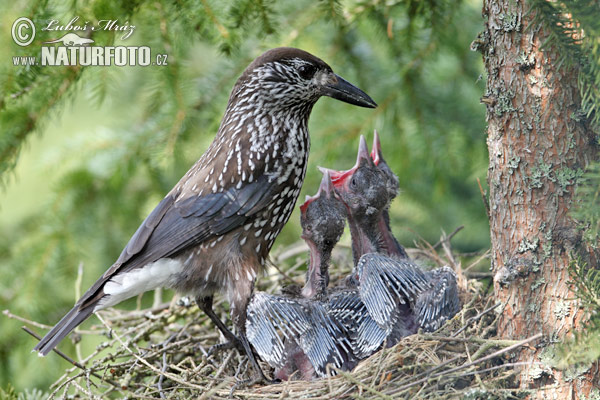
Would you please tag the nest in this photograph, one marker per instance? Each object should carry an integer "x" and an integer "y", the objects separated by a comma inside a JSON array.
[{"x": 162, "y": 352}]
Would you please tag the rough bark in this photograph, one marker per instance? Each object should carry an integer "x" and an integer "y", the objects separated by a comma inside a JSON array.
[{"x": 538, "y": 147}]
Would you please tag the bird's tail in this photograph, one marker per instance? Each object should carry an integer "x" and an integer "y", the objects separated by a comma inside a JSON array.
[{"x": 69, "y": 322}]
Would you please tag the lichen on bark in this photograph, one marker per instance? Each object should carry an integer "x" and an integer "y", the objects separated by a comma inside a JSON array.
[{"x": 537, "y": 151}]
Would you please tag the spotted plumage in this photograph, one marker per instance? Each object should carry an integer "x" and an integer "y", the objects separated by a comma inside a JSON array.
[{"x": 213, "y": 231}]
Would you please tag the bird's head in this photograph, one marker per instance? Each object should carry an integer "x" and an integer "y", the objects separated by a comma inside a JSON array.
[
  {"x": 288, "y": 77},
  {"x": 323, "y": 216},
  {"x": 364, "y": 187}
]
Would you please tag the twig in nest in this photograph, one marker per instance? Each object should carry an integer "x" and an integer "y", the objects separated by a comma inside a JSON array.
[
  {"x": 435, "y": 368},
  {"x": 364, "y": 385},
  {"x": 164, "y": 365},
  {"x": 428, "y": 251},
  {"x": 475, "y": 318},
  {"x": 285, "y": 275},
  {"x": 490, "y": 369},
  {"x": 147, "y": 364},
  {"x": 379, "y": 364},
  {"x": 448, "y": 238},
  {"x": 27, "y": 321},
  {"x": 469, "y": 364},
  {"x": 486, "y": 254},
  {"x": 223, "y": 364},
  {"x": 479, "y": 275},
  {"x": 71, "y": 361},
  {"x": 491, "y": 342}
]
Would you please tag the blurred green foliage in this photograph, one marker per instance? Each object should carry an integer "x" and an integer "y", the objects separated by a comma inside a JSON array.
[{"x": 112, "y": 141}]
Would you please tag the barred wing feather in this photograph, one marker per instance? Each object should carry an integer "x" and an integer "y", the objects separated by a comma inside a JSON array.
[
  {"x": 441, "y": 302},
  {"x": 385, "y": 282},
  {"x": 364, "y": 333},
  {"x": 273, "y": 321}
]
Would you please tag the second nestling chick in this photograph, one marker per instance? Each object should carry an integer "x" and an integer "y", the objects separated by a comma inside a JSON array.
[
  {"x": 385, "y": 282},
  {"x": 322, "y": 217},
  {"x": 367, "y": 190}
]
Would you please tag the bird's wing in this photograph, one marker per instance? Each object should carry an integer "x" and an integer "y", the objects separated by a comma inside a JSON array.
[
  {"x": 175, "y": 225},
  {"x": 365, "y": 334},
  {"x": 274, "y": 321},
  {"x": 441, "y": 302},
  {"x": 385, "y": 282},
  {"x": 196, "y": 219},
  {"x": 171, "y": 227}
]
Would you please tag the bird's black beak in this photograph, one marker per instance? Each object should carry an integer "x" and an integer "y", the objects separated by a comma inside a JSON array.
[{"x": 340, "y": 89}]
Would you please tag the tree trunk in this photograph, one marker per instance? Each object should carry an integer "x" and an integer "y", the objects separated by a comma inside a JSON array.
[{"x": 538, "y": 146}]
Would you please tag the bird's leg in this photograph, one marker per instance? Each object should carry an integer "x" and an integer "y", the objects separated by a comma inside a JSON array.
[
  {"x": 205, "y": 303},
  {"x": 238, "y": 313},
  {"x": 258, "y": 376}
]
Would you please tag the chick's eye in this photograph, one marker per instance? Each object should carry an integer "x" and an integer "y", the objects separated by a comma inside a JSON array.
[
  {"x": 306, "y": 71},
  {"x": 353, "y": 182}
]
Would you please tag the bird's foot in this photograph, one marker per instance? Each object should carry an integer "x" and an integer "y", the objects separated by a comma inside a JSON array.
[
  {"x": 231, "y": 344},
  {"x": 258, "y": 377}
]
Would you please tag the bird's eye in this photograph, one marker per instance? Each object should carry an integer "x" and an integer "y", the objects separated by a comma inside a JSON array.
[
  {"x": 353, "y": 182},
  {"x": 306, "y": 71},
  {"x": 308, "y": 228}
]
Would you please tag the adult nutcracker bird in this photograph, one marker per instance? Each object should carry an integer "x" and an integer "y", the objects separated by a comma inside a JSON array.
[{"x": 213, "y": 231}]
